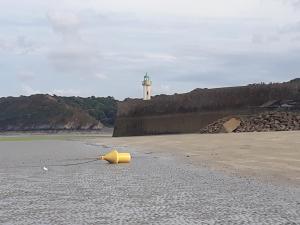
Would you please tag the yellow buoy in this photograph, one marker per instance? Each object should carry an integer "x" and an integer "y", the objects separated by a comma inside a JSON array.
[{"x": 116, "y": 157}]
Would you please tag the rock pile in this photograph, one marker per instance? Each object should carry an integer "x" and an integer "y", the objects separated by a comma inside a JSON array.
[{"x": 263, "y": 122}]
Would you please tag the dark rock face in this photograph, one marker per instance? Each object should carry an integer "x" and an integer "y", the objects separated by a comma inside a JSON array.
[{"x": 193, "y": 111}]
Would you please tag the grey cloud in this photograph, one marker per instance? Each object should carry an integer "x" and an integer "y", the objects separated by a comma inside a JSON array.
[
  {"x": 4, "y": 45},
  {"x": 296, "y": 38},
  {"x": 245, "y": 68},
  {"x": 28, "y": 90},
  {"x": 26, "y": 76},
  {"x": 18, "y": 45},
  {"x": 85, "y": 48},
  {"x": 257, "y": 39},
  {"x": 290, "y": 32},
  {"x": 64, "y": 22},
  {"x": 178, "y": 52},
  {"x": 71, "y": 55},
  {"x": 25, "y": 45},
  {"x": 291, "y": 28},
  {"x": 294, "y": 3},
  {"x": 75, "y": 60},
  {"x": 86, "y": 56}
]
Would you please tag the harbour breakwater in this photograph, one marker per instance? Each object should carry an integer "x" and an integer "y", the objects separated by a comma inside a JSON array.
[{"x": 193, "y": 111}]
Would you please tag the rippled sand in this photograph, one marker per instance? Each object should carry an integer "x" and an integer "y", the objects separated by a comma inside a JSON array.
[
  {"x": 154, "y": 189},
  {"x": 272, "y": 156}
]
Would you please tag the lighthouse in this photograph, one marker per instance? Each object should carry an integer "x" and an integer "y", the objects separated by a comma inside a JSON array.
[{"x": 147, "y": 84}]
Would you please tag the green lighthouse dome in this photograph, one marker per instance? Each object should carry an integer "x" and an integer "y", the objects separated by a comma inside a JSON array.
[{"x": 146, "y": 77}]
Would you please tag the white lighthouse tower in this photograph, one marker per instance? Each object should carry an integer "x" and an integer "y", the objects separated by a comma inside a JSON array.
[{"x": 147, "y": 85}]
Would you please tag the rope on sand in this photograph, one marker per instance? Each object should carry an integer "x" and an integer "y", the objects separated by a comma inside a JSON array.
[{"x": 51, "y": 165}]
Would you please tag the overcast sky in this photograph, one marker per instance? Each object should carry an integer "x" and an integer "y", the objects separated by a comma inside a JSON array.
[{"x": 101, "y": 48}]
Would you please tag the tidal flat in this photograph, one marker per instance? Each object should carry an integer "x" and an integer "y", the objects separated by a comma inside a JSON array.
[{"x": 157, "y": 187}]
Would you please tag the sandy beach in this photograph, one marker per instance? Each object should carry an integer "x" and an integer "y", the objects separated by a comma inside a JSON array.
[
  {"x": 272, "y": 156},
  {"x": 176, "y": 179}
]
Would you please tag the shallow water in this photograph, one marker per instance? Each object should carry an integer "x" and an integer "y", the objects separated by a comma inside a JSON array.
[{"x": 150, "y": 190}]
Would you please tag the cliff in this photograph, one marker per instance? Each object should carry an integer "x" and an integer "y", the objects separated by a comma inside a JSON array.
[
  {"x": 190, "y": 112},
  {"x": 45, "y": 112}
]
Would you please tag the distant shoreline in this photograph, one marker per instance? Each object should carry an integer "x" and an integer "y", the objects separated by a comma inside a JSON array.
[{"x": 106, "y": 130}]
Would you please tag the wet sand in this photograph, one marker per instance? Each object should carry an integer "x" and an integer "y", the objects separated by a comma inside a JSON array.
[
  {"x": 272, "y": 156},
  {"x": 160, "y": 186}
]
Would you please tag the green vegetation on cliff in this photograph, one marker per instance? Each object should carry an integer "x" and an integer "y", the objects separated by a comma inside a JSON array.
[
  {"x": 45, "y": 112},
  {"x": 101, "y": 108}
]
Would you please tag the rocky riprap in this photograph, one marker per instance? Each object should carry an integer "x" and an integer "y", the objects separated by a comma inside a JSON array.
[{"x": 263, "y": 122}]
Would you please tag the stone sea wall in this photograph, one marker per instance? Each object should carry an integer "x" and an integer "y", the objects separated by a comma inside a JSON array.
[{"x": 193, "y": 111}]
